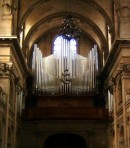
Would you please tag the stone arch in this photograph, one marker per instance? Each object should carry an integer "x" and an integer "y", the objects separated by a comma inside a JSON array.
[
  {"x": 50, "y": 18},
  {"x": 65, "y": 140},
  {"x": 29, "y": 53},
  {"x": 94, "y": 4}
]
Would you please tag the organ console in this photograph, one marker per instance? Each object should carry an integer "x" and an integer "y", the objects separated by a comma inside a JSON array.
[{"x": 64, "y": 72}]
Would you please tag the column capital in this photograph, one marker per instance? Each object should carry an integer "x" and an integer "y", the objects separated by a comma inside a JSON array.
[
  {"x": 8, "y": 7},
  {"x": 7, "y": 69},
  {"x": 125, "y": 69},
  {"x": 112, "y": 84}
]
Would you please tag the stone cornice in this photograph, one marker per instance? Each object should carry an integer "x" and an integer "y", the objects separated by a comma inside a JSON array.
[
  {"x": 113, "y": 56},
  {"x": 13, "y": 41}
]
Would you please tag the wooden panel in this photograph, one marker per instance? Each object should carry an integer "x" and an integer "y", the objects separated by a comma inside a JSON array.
[
  {"x": 67, "y": 101},
  {"x": 64, "y": 113}
]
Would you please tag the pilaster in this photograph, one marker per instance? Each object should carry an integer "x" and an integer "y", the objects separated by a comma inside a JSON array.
[
  {"x": 123, "y": 13},
  {"x": 118, "y": 69},
  {"x": 125, "y": 91},
  {"x": 13, "y": 73}
]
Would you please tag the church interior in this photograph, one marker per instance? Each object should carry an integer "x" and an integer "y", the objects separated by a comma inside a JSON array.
[{"x": 65, "y": 74}]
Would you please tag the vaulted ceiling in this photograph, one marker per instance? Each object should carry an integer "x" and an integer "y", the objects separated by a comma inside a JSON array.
[{"x": 38, "y": 17}]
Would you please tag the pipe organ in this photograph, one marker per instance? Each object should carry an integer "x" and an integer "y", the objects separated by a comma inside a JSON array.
[
  {"x": 110, "y": 101},
  {"x": 64, "y": 72}
]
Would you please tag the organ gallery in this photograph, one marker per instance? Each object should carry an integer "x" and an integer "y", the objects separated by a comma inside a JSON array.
[{"x": 64, "y": 74}]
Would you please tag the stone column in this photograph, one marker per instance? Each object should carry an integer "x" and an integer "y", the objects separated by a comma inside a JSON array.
[
  {"x": 6, "y": 123},
  {"x": 5, "y": 84},
  {"x": 115, "y": 117},
  {"x": 124, "y": 112},
  {"x": 12, "y": 68},
  {"x": 15, "y": 121},
  {"x": 125, "y": 87},
  {"x": 123, "y": 13}
]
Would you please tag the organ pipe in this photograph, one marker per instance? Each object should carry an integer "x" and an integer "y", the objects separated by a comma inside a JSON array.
[
  {"x": 64, "y": 72},
  {"x": 110, "y": 101}
]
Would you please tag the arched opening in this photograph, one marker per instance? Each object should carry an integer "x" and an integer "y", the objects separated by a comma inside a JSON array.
[
  {"x": 65, "y": 140},
  {"x": 60, "y": 41}
]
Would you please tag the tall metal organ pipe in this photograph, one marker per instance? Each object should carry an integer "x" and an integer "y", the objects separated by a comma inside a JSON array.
[{"x": 65, "y": 72}]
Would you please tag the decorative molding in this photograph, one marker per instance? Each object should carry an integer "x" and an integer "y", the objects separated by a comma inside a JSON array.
[
  {"x": 8, "y": 8},
  {"x": 113, "y": 56},
  {"x": 13, "y": 41},
  {"x": 126, "y": 68},
  {"x": 111, "y": 85},
  {"x": 6, "y": 69}
]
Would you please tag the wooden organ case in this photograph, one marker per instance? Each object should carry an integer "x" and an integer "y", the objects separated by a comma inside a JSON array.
[{"x": 65, "y": 85}]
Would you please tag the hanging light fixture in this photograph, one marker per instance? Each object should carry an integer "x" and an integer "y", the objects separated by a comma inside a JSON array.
[{"x": 68, "y": 29}]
